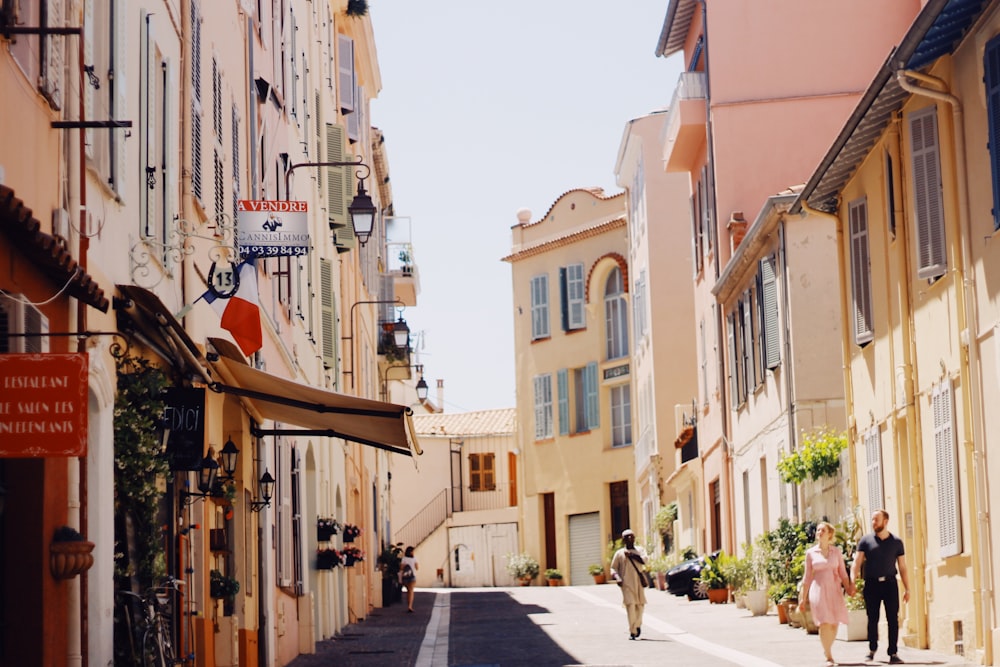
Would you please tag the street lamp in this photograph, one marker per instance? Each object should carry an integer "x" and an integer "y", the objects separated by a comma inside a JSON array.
[
  {"x": 362, "y": 210},
  {"x": 401, "y": 333},
  {"x": 422, "y": 389},
  {"x": 229, "y": 455},
  {"x": 206, "y": 481},
  {"x": 266, "y": 486}
]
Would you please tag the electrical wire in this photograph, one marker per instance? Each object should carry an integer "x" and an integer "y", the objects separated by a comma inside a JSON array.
[{"x": 52, "y": 298}]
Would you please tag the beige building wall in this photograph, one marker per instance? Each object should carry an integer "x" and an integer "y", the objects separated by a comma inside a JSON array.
[{"x": 570, "y": 468}]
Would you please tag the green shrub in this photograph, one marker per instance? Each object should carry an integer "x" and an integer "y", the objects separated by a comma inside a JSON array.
[{"x": 817, "y": 457}]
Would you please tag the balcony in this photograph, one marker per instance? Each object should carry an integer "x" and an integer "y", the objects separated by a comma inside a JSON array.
[
  {"x": 684, "y": 131},
  {"x": 400, "y": 264}
]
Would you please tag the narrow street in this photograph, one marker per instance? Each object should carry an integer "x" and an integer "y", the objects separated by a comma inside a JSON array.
[{"x": 580, "y": 625}]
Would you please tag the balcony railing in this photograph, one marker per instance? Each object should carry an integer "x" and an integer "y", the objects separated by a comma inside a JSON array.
[{"x": 690, "y": 86}]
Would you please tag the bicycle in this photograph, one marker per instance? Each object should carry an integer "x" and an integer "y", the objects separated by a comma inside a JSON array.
[{"x": 156, "y": 645}]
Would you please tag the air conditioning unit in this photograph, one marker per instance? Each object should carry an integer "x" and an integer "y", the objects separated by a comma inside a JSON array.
[{"x": 18, "y": 316}]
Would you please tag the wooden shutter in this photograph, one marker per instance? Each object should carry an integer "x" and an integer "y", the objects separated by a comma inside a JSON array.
[
  {"x": 769, "y": 313},
  {"x": 489, "y": 472},
  {"x": 345, "y": 73},
  {"x": 52, "y": 69},
  {"x": 475, "y": 473},
  {"x": 539, "y": 306},
  {"x": 120, "y": 109},
  {"x": 946, "y": 455},
  {"x": 562, "y": 389},
  {"x": 861, "y": 291},
  {"x": 328, "y": 316},
  {"x": 991, "y": 67},
  {"x": 873, "y": 469},
  {"x": 575, "y": 296},
  {"x": 592, "y": 397},
  {"x": 747, "y": 330},
  {"x": 196, "y": 176},
  {"x": 563, "y": 299},
  {"x": 927, "y": 193}
]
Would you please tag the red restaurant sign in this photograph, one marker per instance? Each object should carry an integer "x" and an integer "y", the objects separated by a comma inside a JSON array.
[{"x": 43, "y": 405}]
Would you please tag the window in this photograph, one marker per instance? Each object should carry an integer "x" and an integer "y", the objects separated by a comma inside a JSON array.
[
  {"x": 873, "y": 468},
  {"x": 571, "y": 290},
  {"x": 196, "y": 175},
  {"x": 543, "y": 406},
  {"x": 562, "y": 385},
  {"x": 327, "y": 316},
  {"x": 768, "y": 313},
  {"x": 105, "y": 95},
  {"x": 639, "y": 315},
  {"x": 621, "y": 416},
  {"x": 482, "y": 472},
  {"x": 581, "y": 399},
  {"x": 927, "y": 194},
  {"x": 703, "y": 361},
  {"x": 345, "y": 73},
  {"x": 156, "y": 106},
  {"x": 736, "y": 387},
  {"x": 991, "y": 67},
  {"x": 946, "y": 456},
  {"x": 615, "y": 315},
  {"x": 861, "y": 288},
  {"x": 539, "y": 307}
]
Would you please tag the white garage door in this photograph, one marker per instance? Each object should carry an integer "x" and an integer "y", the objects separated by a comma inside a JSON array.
[{"x": 585, "y": 546}]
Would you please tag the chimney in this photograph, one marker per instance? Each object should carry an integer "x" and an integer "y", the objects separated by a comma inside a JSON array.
[
  {"x": 737, "y": 227},
  {"x": 440, "y": 395}
]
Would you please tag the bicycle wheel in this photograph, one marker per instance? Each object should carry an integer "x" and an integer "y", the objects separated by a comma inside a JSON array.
[{"x": 152, "y": 648}]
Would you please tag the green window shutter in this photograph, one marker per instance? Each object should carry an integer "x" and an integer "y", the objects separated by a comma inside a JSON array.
[
  {"x": 328, "y": 316},
  {"x": 593, "y": 400},
  {"x": 338, "y": 179},
  {"x": 562, "y": 383}
]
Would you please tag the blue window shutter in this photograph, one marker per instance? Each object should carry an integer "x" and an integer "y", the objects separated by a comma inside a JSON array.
[
  {"x": 563, "y": 299},
  {"x": 593, "y": 405},
  {"x": 991, "y": 59},
  {"x": 562, "y": 379}
]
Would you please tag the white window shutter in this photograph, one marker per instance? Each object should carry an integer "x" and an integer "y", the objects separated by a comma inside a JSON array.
[
  {"x": 119, "y": 65},
  {"x": 88, "y": 58},
  {"x": 873, "y": 469},
  {"x": 575, "y": 293},
  {"x": 52, "y": 77},
  {"x": 861, "y": 298},
  {"x": 946, "y": 459},
  {"x": 539, "y": 307},
  {"x": 769, "y": 313},
  {"x": 562, "y": 394},
  {"x": 925, "y": 149},
  {"x": 345, "y": 73}
]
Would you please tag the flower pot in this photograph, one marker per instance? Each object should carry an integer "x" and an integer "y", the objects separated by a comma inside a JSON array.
[
  {"x": 856, "y": 629},
  {"x": 68, "y": 559},
  {"x": 600, "y": 578},
  {"x": 555, "y": 582},
  {"x": 782, "y": 611},
  {"x": 526, "y": 581},
  {"x": 718, "y": 595},
  {"x": 757, "y": 602},
  {"x": 324, "y": 533}
]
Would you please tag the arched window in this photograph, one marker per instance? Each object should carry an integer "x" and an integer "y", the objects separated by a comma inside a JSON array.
[{"x": 615, "y": 315}]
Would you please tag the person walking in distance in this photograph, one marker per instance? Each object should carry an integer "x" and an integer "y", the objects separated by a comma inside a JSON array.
[
  {"x": 408, "y": 575},
  {"x": 881, "y": 555},
  {"x": 625, "y": 566},
  {"x": 823, "y": 587}
]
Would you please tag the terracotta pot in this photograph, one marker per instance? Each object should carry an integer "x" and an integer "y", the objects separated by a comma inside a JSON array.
[
  {"x": 600, "y": 578},
  {"x": 68, "y": 559},
  {"x": 782, "y": 611},
  {"x": 526, "y": 581},
  {"x": 718, "y": 595}
]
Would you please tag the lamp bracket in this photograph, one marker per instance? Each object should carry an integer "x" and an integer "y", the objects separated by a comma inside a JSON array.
[{"x": 152, "y": 259}]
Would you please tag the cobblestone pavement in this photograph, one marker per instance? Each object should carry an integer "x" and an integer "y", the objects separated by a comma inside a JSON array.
[{"x": 580, "y": 625}]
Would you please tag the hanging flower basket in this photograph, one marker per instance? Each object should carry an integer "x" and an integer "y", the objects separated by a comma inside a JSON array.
[
  {"x": 351, "y": 532},
  {"x": 70, "y": 558},
  {"x": 352, "y": 555},
  {"x": 325, "y": 529},
  {"x": 327, "y": 559}
]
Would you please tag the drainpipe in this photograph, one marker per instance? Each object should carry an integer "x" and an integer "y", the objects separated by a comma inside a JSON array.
[
  {"x": 969, "y": 368},
  {"x": 845, "y": 351},
  {"x": 786, "y": 334}
]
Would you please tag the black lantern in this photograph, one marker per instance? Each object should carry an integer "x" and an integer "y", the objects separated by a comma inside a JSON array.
[
  {"x": 362, "y": 211},
  {"x": 422, "y": 389},
  {"x": 229, "y": 455},
  {"x": 401, "y": 333},
  {"x": 206, "y": 481},
  {"x": 266, "y": 492}
]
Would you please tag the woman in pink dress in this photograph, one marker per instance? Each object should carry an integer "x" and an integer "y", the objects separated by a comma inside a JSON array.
[{"x": 823, "y": 587}]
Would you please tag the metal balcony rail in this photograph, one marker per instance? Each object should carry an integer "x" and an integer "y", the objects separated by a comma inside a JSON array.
[{"x": 426, "y": 521}]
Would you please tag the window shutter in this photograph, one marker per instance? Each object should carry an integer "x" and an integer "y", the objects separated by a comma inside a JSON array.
[
  {"x": 235, "y": 126},
  {"x": 563, "y": 299},
  {"x": 119, "y": 31},
  {"x": 52, "y": 74},
  {"x": 927, "y": 194},
  {"x": 593, "y": 402},
  {"x": 345, "y": 73},
  {"x": 695, "y": 236},
  {"x": 338, "y": 180},
  {"x": 946, "y": 455},
  {"x": 991, "y": 66},
  {"x": 489, "y": 472},
  {"x": 734, "y": 394},
  {"x": 575, "y": 296},
  {"x": 148, "y": 127},
  {"x": 88, "y": 88},
  {"x": 861, "y": 296},
  {"x": 543, "y": 407},
  {"x": 769, "y": 312},
  {"x": 196, "y": 179},
  {"x": 328, "y": 317},
  {"x": 562, "y": 388},
  {"x": 475, "y": 474},
  {"x": 539, "y": 307},
  {"x": 873, "y": 469},
  {"x": 747, "y": 329}
]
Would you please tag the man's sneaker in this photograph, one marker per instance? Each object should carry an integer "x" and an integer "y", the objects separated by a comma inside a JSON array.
[
  {"x": 870, "y": 656},
  {"x": 895, "y": 660}
]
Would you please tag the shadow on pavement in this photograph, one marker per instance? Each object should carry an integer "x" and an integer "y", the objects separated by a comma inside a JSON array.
[{"x": 478, "y": 618}]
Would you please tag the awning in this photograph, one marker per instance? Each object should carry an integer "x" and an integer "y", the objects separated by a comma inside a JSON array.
[
  {"x": 48, "y": 252},
  {"x": 316, "y": 412}
]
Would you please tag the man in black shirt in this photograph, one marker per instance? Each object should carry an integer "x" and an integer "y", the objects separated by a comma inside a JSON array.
[{"x": 881, "y": 553}]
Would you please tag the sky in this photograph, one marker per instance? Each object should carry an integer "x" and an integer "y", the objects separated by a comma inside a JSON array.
[{"x": 488, "y": 108}]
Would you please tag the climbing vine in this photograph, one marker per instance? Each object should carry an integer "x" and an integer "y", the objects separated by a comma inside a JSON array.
[{"x": 818, "y": 457}]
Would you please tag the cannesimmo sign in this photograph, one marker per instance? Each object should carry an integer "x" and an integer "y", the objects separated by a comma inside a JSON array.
[
  {"x": 43, "y": 405},
  {"x": 272, "y": 228}
]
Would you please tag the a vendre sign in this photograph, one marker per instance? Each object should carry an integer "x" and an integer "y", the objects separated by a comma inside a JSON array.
[
  {"x": 43, "y": 405},
  {"x": 272, "y": 228}
]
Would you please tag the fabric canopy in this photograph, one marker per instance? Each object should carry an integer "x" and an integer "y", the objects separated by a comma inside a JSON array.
[{"x": 317, "y": 411}]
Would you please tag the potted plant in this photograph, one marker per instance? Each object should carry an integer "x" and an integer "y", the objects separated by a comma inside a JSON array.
[
  {"x": 818, "y": 457},
  {"x": 221, "y": 586},
  {"x": 69, "y": 553},
  {"x": 756, "y": 592},
  {"x": 522, "y": 567},
  {"x": 597, "y": 572},
  {"x": 351, "y": 532},
  {"x": 714, "y": 580},
  {"x": 325, "y": 528},
  {"x": 663, "y": 522},
  {"x": 357, "y": 8},
  {"x": 327, "y": 559},
  {"x": 657, "y": 567},
  {"x": 554, "y": 576},
  {"x": 352, "y": 555}
]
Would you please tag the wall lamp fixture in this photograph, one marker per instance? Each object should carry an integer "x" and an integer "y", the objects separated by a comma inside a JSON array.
[
  {"x": 362, "y": 209},
  {"x": 421, "y": 386},
  {"x": 266, "y": 488},
  {"x": 396, "y": 302}
]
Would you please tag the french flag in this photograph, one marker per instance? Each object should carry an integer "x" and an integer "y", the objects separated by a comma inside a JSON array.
[{"x": 240, "y": 313}]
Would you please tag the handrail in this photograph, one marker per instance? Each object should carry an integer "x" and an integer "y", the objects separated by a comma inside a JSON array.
[{"x": 425, "y": 521}]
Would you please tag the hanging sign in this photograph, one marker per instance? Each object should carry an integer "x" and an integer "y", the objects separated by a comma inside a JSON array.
[
  {"x": 272, "y": 228},
  {"x": 43, "y": 405},
  {"x": 184, "y": 415}
]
